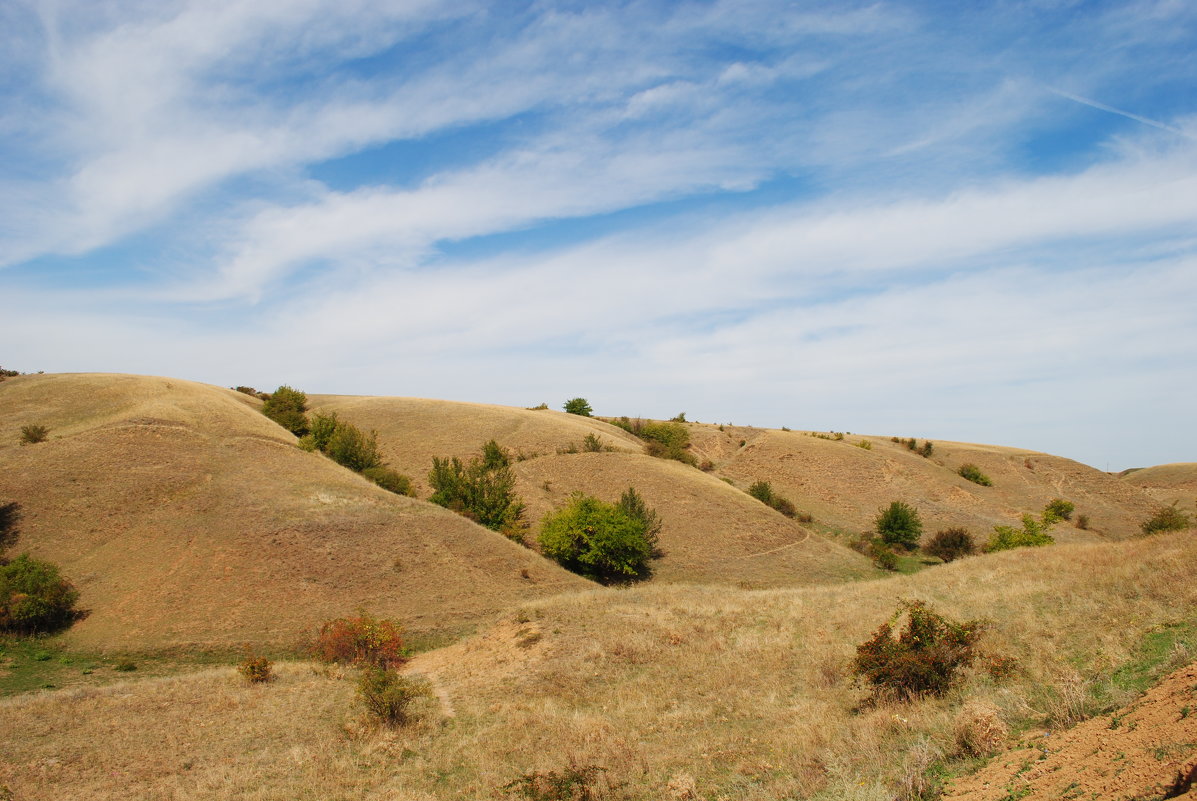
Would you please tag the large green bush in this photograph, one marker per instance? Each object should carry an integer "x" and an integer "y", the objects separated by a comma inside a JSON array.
[
  {"x": 899, "y": 525},
  {"x": 287, "y": 407},
  {"x": 631, "y": 504},
  {"x": 1167, "y": 518},
  {"x": 34, "y": 597},
  {"x": 925, "y": 659},
  {"x": 763, "y": 492},
  {"x": 597, "y": 540},
  {"x": 484, "y": 494}
]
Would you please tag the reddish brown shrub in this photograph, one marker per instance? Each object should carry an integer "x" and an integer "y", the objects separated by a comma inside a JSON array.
[{"x": 360, "y": 640}]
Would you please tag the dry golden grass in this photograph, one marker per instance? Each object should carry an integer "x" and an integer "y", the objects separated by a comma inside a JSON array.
[
  {"x": 411, "y": 431},
  {"x": 843, "y": 485},
  {"x": 721, "y": 692},
  {"x": 711, "y": 533},
  {"x": 1168, "y": 483},
  {"x": 187, "y": 518}
]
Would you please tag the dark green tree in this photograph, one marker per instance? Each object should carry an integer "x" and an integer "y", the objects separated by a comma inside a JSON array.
[
  {"x": 34, "y": 597},
  {"x": 484, "y": 494},
  {"x": 578, "y": 406},
  {"x": 631, "y": 504},
  {"x": 899, "y": 525}
]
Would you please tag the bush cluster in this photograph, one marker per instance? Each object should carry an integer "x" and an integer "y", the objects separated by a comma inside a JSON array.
[
  {"x": 482, "y": 489},
  {"x": 348, "y": 446},
  {"x": 664, "y": 440},
  {"x": 926, "y": 658},
  {"x": 361, "y": 640},
  {"x": 1057, "y": 509},
  {"x": 256, "y": 669},
  {"x": 974, "y": 474},
  {"x": 288, "y": 407},
  {"x": 763, "y": 492},
  {"x": 573, "y": 783},
  {"x": 604, "y": 542},
  {"x": 899, "y": 525},
  {"x": 951, "y": 544},
  {"x": 33, "y": 434},
  {"x": 1167, "y": 518}
]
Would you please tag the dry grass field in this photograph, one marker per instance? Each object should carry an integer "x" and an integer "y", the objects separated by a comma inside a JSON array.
[
  {"x": 676, "y": 691},
  {"x": 1168, "y": 483},
  {"x": 190, "y": 521}
]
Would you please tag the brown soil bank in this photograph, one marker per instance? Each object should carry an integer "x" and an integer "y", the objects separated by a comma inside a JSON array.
[
  {"x": 187, "y": 518},
  {"x": 1146, "y": 751}
]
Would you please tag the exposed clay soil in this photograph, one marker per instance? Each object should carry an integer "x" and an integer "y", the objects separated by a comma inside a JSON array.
[{"x": 1145, "y": 751}]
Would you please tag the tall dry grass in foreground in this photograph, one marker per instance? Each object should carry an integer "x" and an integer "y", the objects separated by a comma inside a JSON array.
[{"x": 682, "y": 692}]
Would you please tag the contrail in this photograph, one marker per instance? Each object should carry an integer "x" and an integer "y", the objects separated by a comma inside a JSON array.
[{"x": 1103, "y": 107}]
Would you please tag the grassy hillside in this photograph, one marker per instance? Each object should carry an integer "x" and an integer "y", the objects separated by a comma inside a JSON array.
[
  {"x": 188, "y": 518},
  {"x": 1167, "y": 483},
  {"x": 843, "y": 485},
  {"x": 675, "y": 691},
  {"x": 712, "y": 532}
]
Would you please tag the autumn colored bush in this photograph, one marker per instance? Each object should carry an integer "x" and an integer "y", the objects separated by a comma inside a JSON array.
[
  {"x": 926, "y": 658},
  {"x": 361, "y": 640}
]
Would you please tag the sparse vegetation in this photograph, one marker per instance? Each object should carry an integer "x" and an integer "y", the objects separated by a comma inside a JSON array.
[
  {"x": 33, "y": 434},
  {"x": 925, "y": 659},
  {"x": 680, "y": 417},
  {"x": 973, "y": 473},
  {"x": 287, "y": 407},
  {"x": 578, "y": 406},
  {"x": 865, "y": 445},
  {"x": 763, "y": 492},
  {"x": 388, "y": 695},
  {"x": 361, "y": 640},
  {"x": 592, "y": 444},
  {"x": 484, "y": 494},
  {"x": 349, "y": 447},
  {"x": 951, "y": 544},
  {"x": 34, "y": 597},
  {"x": 573, "y": 783},
  {"x": 390, "y": 480},
  {"x": 1167, "y": 518},
  {"x": 899, "y": 525},
  {"x": 598, "y": 540}
]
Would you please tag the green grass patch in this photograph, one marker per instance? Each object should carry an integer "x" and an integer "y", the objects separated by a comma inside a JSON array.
[{"x": 1155, "y": 656}]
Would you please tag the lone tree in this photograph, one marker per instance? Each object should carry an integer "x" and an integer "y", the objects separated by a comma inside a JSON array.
[
  {"x": 899, "y": 525},
  {"x": 578, "y": 406}
]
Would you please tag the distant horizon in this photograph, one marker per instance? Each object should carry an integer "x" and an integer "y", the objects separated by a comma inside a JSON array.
[{"x": 937, "y": 220}]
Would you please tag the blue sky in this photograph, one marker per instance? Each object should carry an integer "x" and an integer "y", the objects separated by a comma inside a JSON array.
[{"x": 958, "y": 221}]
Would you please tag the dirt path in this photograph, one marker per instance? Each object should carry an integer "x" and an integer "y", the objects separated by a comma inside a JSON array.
[{"x": 782, "y": 548}]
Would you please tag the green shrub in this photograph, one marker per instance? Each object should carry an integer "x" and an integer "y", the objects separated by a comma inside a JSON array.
[
  {"x": 286, "y": 406},
  {"x": 763, "y": 492},
  {"x": 1057, "y": 509},
  {"x": 629, "y": 425},
  {"x": 925, "y": 659},
  {"x": 597, "y": 540},
  {"x": 899, "y": 525},
  {"x": 881, "y": 555},
  {"x": 387, "y": 695},
  {"x": 578, "y": 406},
  {"x": 631, "y": 504},
  {"x": 495, "y": 456},
  {"x": 668, "y": 441},
  {"x": 34, "y": 597},
  {"x": 256, "y": 669},
  {"x": 680, "y": 418},
  {"x": 321, "y": 430},
  {"x": 10, "y": 515},
  {"x": 592, "y": 444},
  {"x": 484, "y": 494},
  {"x": 1032, "y": 534},
  {"x": 927, "y": 449},
  {"x": 865, "y": 444},
  {"x": 33, "y": 434},
  {"x": 248, "y": 391},
  {"x": 360, "y": 640},
  {"x": 951, "y": 544},
  {"x": 974, "y": 474},
  {"x": 350, "y": 447},
  {"x": 390, "y": 480},
  {"x": 1166, "y": 518}
]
